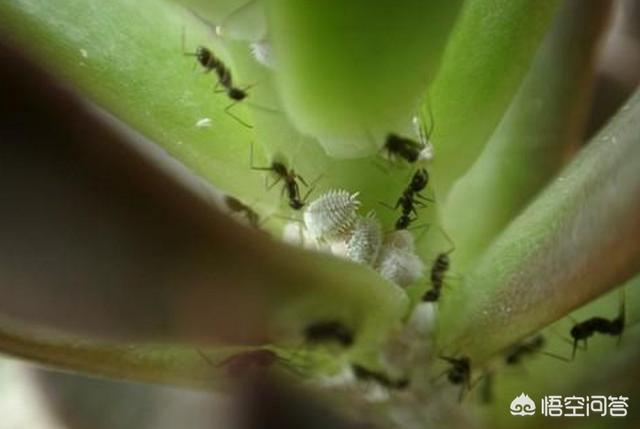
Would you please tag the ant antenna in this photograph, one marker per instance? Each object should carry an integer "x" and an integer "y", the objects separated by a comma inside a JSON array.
[
  {"x": 206, "y": 358},
  {"x": 432, "y": 123},
  {"x": 448, "y": 238},
  {"x": 555, "y": 356},
  {"x": 622, "y": 310},
  {"x": 227, "y": 110},
  {"x": 621, "y": 319}
]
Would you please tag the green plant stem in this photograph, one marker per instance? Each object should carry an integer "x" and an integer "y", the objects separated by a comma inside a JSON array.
[
  {"x": 542, "y": 128},
  {"x": 487, "y": 56},
  {"x": 351, "y": 72},
  {"x": 573, "y": 243}
]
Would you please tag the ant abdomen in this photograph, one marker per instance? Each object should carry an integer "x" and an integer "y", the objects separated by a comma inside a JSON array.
[{"x": 329, "y": 331}]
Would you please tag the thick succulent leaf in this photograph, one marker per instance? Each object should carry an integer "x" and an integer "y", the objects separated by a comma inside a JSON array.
[
  {"x": 606, "y": 367},
  {"x": 573, "y": 243},
  {"x": 135, "y": 69},
  {"x": 350, "y": 72},
  {"x": 100, "y": 242},
  {"x": 127, "y": 56},
  {"x": 487, "y": 56},
  {"x": 543, "y": 126}
]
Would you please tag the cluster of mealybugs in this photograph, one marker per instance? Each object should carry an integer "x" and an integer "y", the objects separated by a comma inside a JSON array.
[{"x": 333, "y": 218}]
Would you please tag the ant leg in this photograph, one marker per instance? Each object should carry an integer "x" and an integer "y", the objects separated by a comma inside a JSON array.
[
  {"x": 227, "y": 110},
  {"x": 205, "y": 357},
  {"x": 427, "y": 199},
  {"x": 217, "y": 90},
  {"x": 555, "y": 356},
  {"x": 575, "y": 347},
  {"x": 269, "y": 187},
  {"x": 313, "y": 182},
  {"x": 416, "y": 227},
  {"x": 304, "y": 199},
  {"x": 184, "y": 51},
  {"x": 387, "y": 206},
  {"x": 252, "y": 166},
  {"x": 299, "y": 177},
  {"x": 439, "y": 376}
]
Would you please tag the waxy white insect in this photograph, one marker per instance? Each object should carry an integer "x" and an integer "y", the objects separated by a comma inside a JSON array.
[
  {"x": 204, "y": 123},
  {"x": 262, "y": 52},
  {"x": 398, "y": 261},
  {"x": 364, "y": 244},
  {"x": 426, "y": 154},
  {"x": 332, "y": 215}
]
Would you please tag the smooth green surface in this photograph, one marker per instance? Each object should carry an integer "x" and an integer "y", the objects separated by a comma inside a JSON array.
[
  {"x": 540, "y": 131},
  {"x": 567, "y": 247},
  {"x": 127, "y": 56},
  {"x": 487, "y": 56},
  {"x": 133, "y": 66},
  {"x": 573, "y": 243},
  {"x": 350, "y": 72}
]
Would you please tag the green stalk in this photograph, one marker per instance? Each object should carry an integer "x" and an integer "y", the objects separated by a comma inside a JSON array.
[
  {"x": 573, "y": 243},
  {"x": 540, "y": 131},
  {"x": 487, "y": 56}
]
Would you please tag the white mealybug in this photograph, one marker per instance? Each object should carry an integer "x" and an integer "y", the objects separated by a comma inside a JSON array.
[
  {"x": 332, "y": 215},
  {"x": 203, "y": 123},
  {"x": 426, "y": 153},
  {"x": 262, "y": 52},
  {"x": 398, "y": 261},
  {"x": 366, "y": 239},
  {"x": 295, "y": 234}
]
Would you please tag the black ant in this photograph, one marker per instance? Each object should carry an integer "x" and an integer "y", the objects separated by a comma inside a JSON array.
[
  {"x": 365, "y": 374},
  {"x": 459, "y": 373},
  {"x": 528, "y": 347},
  {"x": 438, "y": 271},
  {"x": 584, "y": 330},
  {"x": 409, "y": 198},
  {"x": 238, "y": 206},
  {"x": 290, "y": 178},
  {"x": 210, "y": 62},
  {"x": 244, "y": 363},
  {"x": 525, "y": 348},
  {"x": 329, "y": 331},
  {"x": 409, "y": 149},
  {"x": 402, "y": 147}
]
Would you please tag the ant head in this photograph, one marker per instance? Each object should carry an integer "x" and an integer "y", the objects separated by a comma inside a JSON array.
[
  {"x": 403, "y": 383},
  {"x": 512, "y": 359},
  {"x": 419, "y": 180},
  {"x": 455, "y": 376},
  {"x": 538, "y": 342},
  {"x": 580, "y": 331},
  {"x": 617, "y": 326},
  {"x": 279, "y": 168},
  {"x": 203, "y": 55},
  {"x": 296, "y": 205},
  {"x": 431, "y": 295},
  {"x": 403, "y": 222},
  {"x": 237, "y": 94}
]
